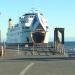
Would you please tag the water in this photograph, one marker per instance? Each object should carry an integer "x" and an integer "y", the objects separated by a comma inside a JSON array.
[{"x": 69, "y": 46}]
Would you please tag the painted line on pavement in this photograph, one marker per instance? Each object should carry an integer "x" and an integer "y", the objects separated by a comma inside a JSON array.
[{"x": 23, "y": 72}]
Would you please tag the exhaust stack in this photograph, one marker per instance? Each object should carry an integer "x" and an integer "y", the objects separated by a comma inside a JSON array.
[{"x": 10, "y": 24}]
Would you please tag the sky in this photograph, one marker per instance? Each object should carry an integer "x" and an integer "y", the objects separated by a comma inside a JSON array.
[{"x": 59, "y": 13}]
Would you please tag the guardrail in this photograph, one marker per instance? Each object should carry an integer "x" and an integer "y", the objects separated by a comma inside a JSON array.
[
  {"x": 28, "y": 51},
  {"x": 34, "y": 51},
  {"x": 71, "y": 53}
]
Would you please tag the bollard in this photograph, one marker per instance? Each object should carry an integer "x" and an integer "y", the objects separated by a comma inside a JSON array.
[
  {"x": 18, "y": 50},
  {"x": 2, "y": 52}
]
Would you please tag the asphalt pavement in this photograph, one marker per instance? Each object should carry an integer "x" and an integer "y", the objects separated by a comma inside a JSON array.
[{"x": 23, "y": 66}]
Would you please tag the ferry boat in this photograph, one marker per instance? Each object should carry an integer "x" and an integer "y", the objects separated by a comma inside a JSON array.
[{"x": 31, "y": 29}]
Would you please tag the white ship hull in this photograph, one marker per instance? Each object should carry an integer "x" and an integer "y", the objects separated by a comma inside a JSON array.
[{"x": 32, "y": 28}]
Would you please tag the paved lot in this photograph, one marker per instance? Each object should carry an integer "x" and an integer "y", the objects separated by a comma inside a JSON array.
[{"x": 37, "y": 67}]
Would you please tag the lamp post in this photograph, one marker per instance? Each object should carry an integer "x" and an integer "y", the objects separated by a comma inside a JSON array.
[
  {"x": 0, "y": 37},
  {"x": 0, "y": 33}
]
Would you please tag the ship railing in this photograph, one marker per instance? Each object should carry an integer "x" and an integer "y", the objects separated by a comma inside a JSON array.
[{"x": 30, "y": 51}]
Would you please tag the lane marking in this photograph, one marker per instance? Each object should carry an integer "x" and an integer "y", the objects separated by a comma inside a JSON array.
[{"x": 23, "y": 72}]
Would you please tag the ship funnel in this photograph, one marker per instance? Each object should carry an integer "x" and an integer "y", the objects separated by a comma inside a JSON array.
[{"x": 10, "y": 24}]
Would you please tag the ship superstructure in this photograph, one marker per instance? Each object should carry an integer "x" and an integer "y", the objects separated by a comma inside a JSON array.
[{"x": 32, "y": 28}]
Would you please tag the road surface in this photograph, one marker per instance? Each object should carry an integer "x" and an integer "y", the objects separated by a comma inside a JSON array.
[{"x": 37, "y": 67}]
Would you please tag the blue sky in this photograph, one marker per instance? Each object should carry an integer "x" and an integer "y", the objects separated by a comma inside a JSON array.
[{"x": 59, "y": 13}]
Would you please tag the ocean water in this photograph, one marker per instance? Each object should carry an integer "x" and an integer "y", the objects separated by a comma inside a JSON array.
[
  {"x": 69, "y": 45},
  {"x": 69, "y": 48}
]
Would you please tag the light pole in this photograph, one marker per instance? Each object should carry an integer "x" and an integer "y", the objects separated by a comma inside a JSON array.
[{"x": 0, "y": 33}]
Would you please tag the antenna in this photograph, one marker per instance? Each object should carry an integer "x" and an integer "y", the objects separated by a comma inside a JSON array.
[
  {"x": 0, "y": 14},
  {"x": 33, "y": 10}
]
